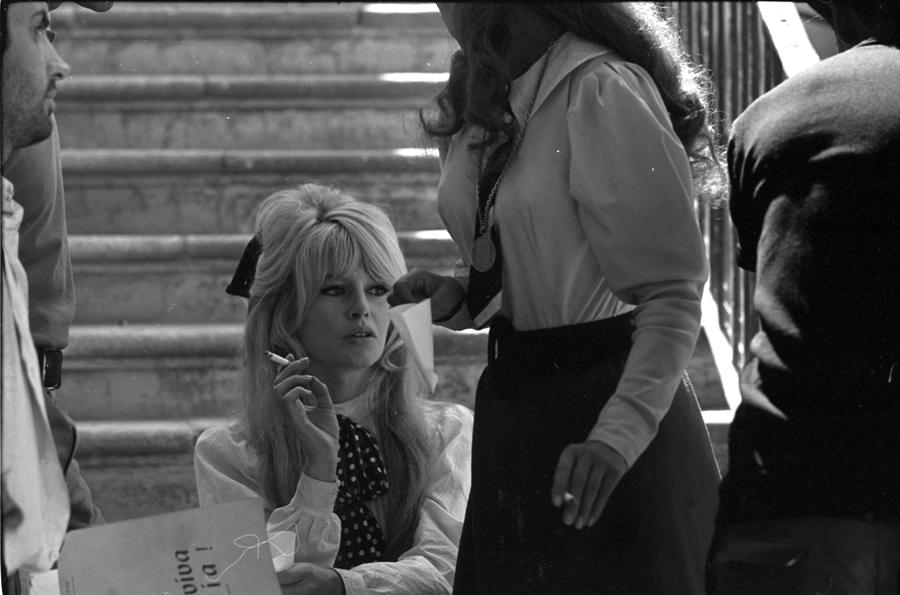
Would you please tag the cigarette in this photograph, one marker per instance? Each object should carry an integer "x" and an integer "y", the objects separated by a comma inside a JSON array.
[
  {"x": 567, "y": 497},
  {"x": 283, "y": 362},
  {"x": 277, "y": 359}
]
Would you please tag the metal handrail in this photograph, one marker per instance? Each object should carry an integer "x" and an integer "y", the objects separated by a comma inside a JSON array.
[{"x": 748, "y": 48}]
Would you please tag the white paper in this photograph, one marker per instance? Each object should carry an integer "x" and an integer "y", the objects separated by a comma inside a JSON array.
[
  {"x": 213, "y": 550},
  {"x": 413, "y": 321},
  {"x": 39, "y": 583}
]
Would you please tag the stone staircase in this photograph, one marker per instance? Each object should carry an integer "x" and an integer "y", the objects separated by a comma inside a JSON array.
[{"x": 177, "y": 120}]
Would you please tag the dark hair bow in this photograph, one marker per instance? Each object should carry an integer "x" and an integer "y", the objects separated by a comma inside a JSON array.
[{"x": 246, "y": 270}]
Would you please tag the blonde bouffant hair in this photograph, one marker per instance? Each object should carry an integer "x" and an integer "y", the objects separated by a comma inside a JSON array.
[{"x": 306, "y": 234}]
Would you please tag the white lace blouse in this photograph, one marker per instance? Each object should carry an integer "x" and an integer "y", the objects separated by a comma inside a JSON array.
[{"x": 226, "y": 469}]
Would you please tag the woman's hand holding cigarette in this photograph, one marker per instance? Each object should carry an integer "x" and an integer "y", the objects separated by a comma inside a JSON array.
[
  {"x": 586, "y": 475},
  {"x": 309, "y": 406},
  {"x": 283, "y": 361}
]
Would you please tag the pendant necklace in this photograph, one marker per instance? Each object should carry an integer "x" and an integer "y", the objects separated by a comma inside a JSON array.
[{"x": 484, "y": 253}]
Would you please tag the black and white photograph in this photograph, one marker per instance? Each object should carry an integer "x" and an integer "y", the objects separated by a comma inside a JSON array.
[{"x": 349, "y": 298}]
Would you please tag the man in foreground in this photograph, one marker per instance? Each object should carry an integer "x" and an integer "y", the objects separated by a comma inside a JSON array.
[
  {"x": 35, "y": 504},
  {"x": 811, "y": 502},
  {"x": 35, "y": 172}
]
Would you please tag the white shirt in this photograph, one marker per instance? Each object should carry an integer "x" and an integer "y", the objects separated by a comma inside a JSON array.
[
  {"x": 32, "y": 476},
  {"x": 226, "y": 467},
  {"x": 596, "y": 218}
]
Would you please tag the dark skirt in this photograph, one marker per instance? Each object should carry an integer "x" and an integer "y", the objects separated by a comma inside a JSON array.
[{"x": 541, "y": 391}]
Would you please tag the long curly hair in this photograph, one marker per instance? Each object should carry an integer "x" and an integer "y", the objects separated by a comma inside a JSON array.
[
  {"x": 476, "y": 91},
  {"x": 306, "y": 234}
]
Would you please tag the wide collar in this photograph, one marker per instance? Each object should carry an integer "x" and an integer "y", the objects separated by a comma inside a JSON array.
[
  {"x": 570, "y": 52},
  {"x": 359, "y": 409}
]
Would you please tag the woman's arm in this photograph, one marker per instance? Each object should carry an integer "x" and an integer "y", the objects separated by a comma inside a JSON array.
[
  {"x": 447, "y": 292},
  {"x": 448, "y": 295},
  {"x": 428, "y": 566},
  {"x": 226, "y": 469},
  {"x": 632, "y": 182}
]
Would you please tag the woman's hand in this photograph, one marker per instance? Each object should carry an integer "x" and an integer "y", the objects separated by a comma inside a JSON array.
[
  {"x": 585, "y": 477},
  {"x": 312, "y": 413},
  {"x": 446, "y": 293},
  {"x": 303, "y": 578}
]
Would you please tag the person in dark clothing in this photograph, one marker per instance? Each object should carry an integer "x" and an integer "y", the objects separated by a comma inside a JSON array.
[{"x": 811, "y": 502}]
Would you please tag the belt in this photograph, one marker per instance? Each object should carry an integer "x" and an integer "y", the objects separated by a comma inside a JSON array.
[
  {"x": 50, "y": 365},
  {"x": 576, "y": 345}
]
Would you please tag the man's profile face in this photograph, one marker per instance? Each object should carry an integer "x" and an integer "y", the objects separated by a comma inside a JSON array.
[{"x": 31, "y": 68}]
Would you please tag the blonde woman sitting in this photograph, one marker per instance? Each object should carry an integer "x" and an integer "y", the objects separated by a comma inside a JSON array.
[{"x": 371, "y": 478}]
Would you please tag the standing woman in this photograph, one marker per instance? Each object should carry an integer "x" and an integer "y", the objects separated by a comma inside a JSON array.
[
  {"x": 567, "y": 134},
  {"x": 371, "y": 478}
]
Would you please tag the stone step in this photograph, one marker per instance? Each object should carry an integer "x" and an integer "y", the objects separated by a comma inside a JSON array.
[
  {"x": 375, "y": 111},
  {"x": 216, "y": 191},
  {"x": 172, "y": 279},
  {"x": 159, "y": 371},
  {"x": 252, "y": 38},
  {"x": 141, "y": 468}
]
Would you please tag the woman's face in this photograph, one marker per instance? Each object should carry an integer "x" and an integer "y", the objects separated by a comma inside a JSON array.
[
  {"x": 451, "y": 14},
  {"x": 347, "y": 323}
]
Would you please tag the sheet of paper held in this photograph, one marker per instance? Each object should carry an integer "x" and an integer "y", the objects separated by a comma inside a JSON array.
[
  {"x": 215, "y": 550},
  {"x": 413, "y": 321}
]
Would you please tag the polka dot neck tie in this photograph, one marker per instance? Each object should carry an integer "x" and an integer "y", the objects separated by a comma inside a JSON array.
[{"x": 361, "y": 478}]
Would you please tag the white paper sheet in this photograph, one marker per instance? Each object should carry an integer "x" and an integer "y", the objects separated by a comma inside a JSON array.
[
  {"x": 413, "y": 321},
  {"x": 214, "y": 550}
]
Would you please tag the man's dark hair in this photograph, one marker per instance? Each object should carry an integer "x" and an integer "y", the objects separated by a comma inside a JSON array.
[{"x": 881, "y": 15}]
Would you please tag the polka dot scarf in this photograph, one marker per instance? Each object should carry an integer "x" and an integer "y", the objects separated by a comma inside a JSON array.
[{"x": 361, "y": 477}]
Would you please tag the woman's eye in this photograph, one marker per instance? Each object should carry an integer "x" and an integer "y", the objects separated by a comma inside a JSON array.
[
  {"x": 333, "y": 291},
  {"x": 43, "y": 30},
  {"x": 379, "y": 290}
]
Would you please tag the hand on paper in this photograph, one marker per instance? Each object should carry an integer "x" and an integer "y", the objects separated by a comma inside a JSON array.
[
  {"x": 446, "y": 293},
  {"x": 312, "y": 413},
  {"x": 303, "y": 578},
  {"x": 589, "y": 471}
]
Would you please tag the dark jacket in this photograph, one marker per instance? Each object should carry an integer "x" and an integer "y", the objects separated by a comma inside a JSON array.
[{"x": 814, "y": 169}]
